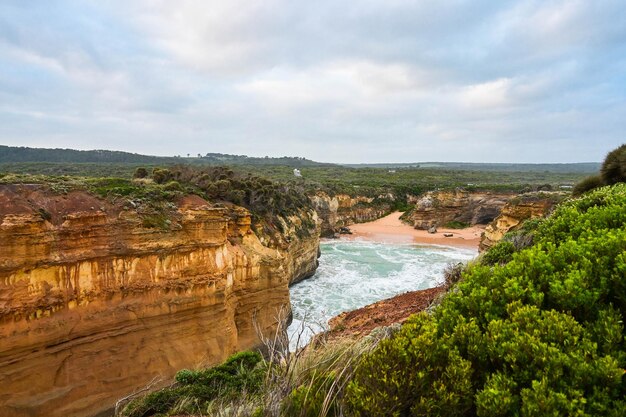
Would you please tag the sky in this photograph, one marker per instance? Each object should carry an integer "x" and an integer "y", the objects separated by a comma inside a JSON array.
[{"x": 330, "y": 80}]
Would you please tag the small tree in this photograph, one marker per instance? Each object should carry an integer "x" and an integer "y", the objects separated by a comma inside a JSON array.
[
  {"x": 614, "y": 166},
  {"x": 161, "y": 175},
  {"x": 140, "y": 172},
  {"x": 588, "y": 184}
]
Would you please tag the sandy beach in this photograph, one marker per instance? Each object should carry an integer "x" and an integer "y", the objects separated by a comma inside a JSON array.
[{"x": 391, "y": 229}]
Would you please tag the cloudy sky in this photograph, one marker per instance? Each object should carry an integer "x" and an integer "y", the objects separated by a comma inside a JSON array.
[{"x": 331, "y": 80}]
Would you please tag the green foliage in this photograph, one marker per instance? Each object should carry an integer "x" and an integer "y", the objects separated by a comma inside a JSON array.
[
  {"x": 412, "y": 374},
  {"x": 194, "y": 390},
  {"x": 141, "y": 172},
  {"x": 612, "y": 171},
  {"x": 456, "y": 225},
  {"x": 155, "y": 221},
  {"x": 161, "y": 175},
  {"x": 501, "y": 253},
  {"x": 614, "y": 166},
  {"x": 309, "y": 400},
  {"x": 588, "y": 184},
  {"x": 541, "y": 334},
  {"x": 105, "y": 187}
]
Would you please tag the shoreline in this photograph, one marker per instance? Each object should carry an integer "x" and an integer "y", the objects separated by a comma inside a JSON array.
[{"x": 390, "y": 229}]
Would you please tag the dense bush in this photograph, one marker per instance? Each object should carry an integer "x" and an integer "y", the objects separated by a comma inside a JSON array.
[
  {"x": 539, "y": 335},
  {"x": 412, "y": 374},
  {"x": 194, "y": 390},
  {"x": 614, "y": 166},
  {"x": 501, "y": 253},
  {"x": 140, "y": 172},
  {"x": 588, "y": 184},
  {"x": 612, "y": 171}
]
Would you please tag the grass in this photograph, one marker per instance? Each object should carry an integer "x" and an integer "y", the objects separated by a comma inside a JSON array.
[{"x": 306, "y": 383}]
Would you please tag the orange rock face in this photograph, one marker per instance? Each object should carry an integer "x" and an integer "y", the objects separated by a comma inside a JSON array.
[
  {"x": 93, "y": 305},
  {"x": 343, "y": 210},
  {"x": 437, "y": 208},
  {"x": 526, "y": 206}
]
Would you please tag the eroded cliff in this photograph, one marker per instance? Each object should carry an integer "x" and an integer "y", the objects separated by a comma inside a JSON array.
[
  {"x": 94, "y": 304},
  {"x": 515, "y": 212},
  {"x": 438, "y": 208},
  {"x": 342, "y": 210}
]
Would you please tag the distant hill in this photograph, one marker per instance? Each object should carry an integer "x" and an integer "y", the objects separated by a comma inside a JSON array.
[
  {"x": 580, "y": 167},
  {"x": 17, "y": 155},
  {"x": 226, "y": 159},
  {"x": 11, "y": 155}
]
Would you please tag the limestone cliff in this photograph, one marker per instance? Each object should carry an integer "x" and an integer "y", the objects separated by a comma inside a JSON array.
[
  {"x": 343, "y": 210},
  {"x": 94, "y": 305},
  {"x": 515, "y": 211},
  {"x": 437, "y": 208}
]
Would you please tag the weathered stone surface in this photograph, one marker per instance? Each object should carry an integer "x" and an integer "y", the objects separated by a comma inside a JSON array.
[
  {"x": 93, "y": 305},
  {"x": 523, "y": 207},
  {"x": 341, "y": 210},
  {"x": 437, "y": 208}
]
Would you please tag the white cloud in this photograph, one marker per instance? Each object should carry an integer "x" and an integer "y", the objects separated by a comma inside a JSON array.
[{"x": 491, "y": 94}]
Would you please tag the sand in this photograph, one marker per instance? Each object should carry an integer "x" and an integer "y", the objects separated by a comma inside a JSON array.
[{"x": 391, "y": 229}]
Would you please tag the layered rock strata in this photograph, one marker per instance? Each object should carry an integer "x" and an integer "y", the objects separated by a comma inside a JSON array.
[
  {"x": 342, "y": 210},
  {"x": 438, "y": 208},
  {"x": 94, "y": 305},
  {"x": 515, "y": 212}
]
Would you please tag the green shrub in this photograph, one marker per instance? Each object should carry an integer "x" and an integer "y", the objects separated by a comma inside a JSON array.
[
  {"x": 105, "y": 187},
  {"x": 238, "y": 370},
  {"x": 140, "y": 172},
  {"x": 242, "y": 372},
  {"x": 412, "y": 374},
  {"x": 456, "y": 225},
  {"x": 161, "y": 175},
  {"x": 173, "y": 186},
  {"x": 155, "y": 221},
  {"x": 588, "y": 184},
  {"x": 501, "y": 253},
  {"x": 614, "y": 166}
]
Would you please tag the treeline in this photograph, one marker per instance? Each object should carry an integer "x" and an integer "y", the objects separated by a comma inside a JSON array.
[
  {"x": 564, "y": 168},
  {"x": 12, "y": 155}
]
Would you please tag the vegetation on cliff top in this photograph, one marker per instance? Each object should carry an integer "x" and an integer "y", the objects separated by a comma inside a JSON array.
[
  {"x": 533, "y": 330},
  {"x": 154, "y": 194},
  {"x": 363, "y": 181}
]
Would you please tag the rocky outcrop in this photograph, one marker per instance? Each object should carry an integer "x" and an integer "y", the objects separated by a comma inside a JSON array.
[
  {"x": 515, "y": 212},
  {"x": 342, "y": 210},
  {"x": 362, "y": 321},
  {"x": 94, "y": 304},
  {"x": 438, "y": 208}
]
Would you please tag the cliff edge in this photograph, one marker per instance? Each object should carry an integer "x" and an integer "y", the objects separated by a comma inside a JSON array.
[{"x": 97, "y": 302}]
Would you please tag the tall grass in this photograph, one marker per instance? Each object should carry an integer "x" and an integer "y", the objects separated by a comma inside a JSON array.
[{"x": 306, "y": 382}]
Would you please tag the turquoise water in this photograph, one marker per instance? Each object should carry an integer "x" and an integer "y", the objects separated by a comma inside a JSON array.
[{"x": 353, "y": 274}]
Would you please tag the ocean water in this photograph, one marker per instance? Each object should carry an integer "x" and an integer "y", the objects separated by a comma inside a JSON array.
[{"x": 353, "y": 274}]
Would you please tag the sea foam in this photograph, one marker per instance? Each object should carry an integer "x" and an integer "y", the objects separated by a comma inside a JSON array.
[{"x": 353, "y": 274}]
